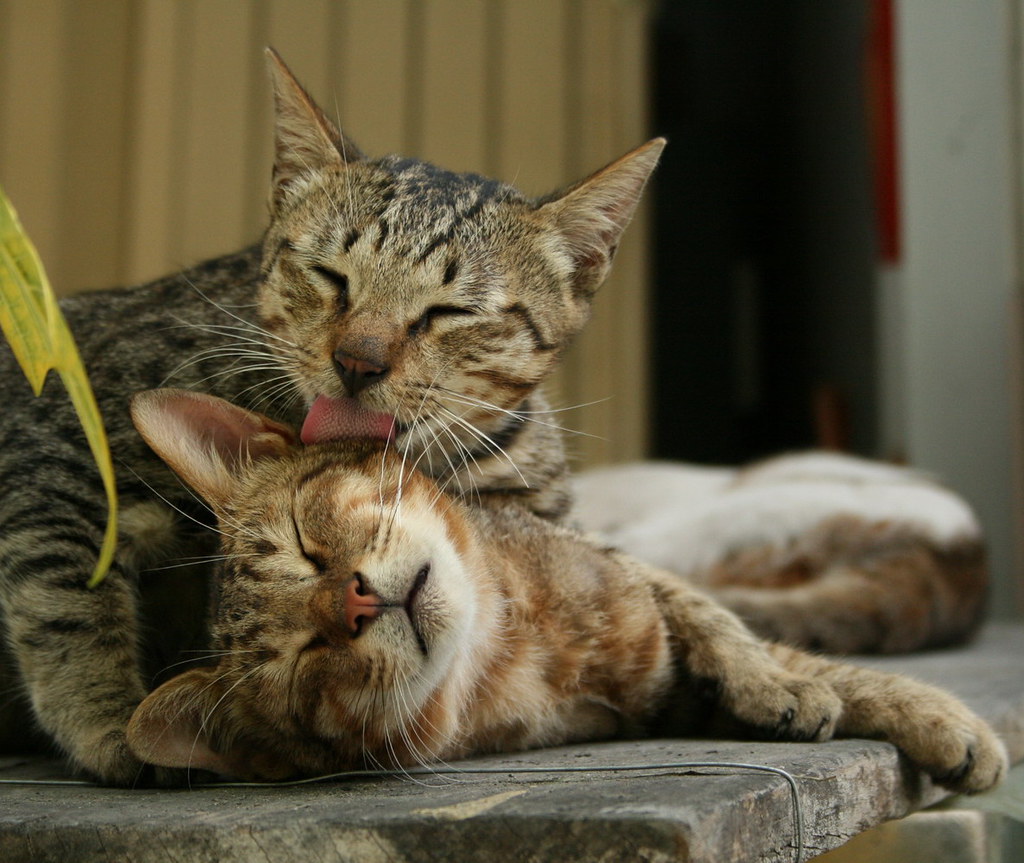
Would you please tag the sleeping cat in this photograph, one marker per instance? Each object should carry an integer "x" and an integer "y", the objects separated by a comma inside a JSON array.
[
  {"x": 389, "y": 299},
  {"x": 365, "y": 617},
  {"x": 815, "y": 549}
]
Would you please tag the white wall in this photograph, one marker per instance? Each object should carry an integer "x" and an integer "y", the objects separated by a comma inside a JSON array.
[{"x": 957, "y": 275}]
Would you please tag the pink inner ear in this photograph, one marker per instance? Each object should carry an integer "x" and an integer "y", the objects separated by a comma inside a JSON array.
[
  {"x": 167, "y": 728},
  {"x": 190, "y": 750},
  {"x": 234, "y": 431}
]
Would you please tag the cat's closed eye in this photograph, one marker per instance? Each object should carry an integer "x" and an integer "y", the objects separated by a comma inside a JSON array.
[
  {"x": 309, "y": 554},
  {"x": 424, "y": 321},
  {"x": 339, "y": 281}
]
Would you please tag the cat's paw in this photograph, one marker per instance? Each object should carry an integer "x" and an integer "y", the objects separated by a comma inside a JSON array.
[
  {"x": 956, "y": 748},
  {"x": 106, "y": 758},
  {"x": 782, "y": 705}
]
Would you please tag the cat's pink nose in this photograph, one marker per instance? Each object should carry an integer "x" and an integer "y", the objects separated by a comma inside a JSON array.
[
  {"x": 357, "y": 373},
  {"x": 361, "y": 604}
]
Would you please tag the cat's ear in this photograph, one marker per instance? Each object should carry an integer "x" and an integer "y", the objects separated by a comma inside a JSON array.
[
  {"x": 207, "y": 441},
  {"x": 171, "y": 727},
  {"x": 592, "y": 214},
  {"x": 304, "y": 139}
]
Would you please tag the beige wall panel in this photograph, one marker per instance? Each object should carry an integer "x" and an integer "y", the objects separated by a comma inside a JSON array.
[
  {"x": 454, "y": 80},
  {"x": 96, "y": 122},
  {"x": 217, "y": 78},
  {"x": 32, "y": 128},
  {"x": 589, "y": 368},
  {"x": 606, "y": 369},
  {"x": 154, "y": 197},
  {"x": 532, "y": 105},
  {"x": 630, "y": 293},
  {"x": 304, "y": 33},
  {"x": 374, "y": 68},
  {"x": 532, "y": 91}
]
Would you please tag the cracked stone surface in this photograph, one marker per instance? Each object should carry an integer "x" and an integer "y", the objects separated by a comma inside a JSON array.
[{"x": 659, "y": 810}]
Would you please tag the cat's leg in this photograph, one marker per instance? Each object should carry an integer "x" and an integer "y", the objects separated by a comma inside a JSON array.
[
  {"x": 934, "y": 729},
  {"x": 715, "y": 650},
  {"x": 75, "y": 648},
  {"x": 76, "y": 651}
]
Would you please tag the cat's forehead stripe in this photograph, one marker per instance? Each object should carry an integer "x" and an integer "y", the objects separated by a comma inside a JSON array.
[
  {"x": 312, "y": 475},
  {"x": 444, "y": 201},
  {"x": 284, "y": 245},
  {"x": 383, "y": 229}
]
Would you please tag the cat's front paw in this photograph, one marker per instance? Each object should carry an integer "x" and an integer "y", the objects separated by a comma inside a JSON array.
[
  {"x": 106, "y": 758},
  {"x": 958, "y": 750},
  {"x": 784, "y": 706}
]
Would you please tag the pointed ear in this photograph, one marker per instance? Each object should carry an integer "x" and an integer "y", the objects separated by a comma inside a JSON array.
[
  {"x": 304, "y": 139},
  {"x": 169, "y": 728},
  {"x": 592, "y": 214},
  {"x": 207, "y": 441}
]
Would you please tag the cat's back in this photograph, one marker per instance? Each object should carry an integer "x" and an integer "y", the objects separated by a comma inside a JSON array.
[
  {"x": 193, "y": 329},
  {"x": 139, "y": 333},
  {"x": 165, "y": 331}
]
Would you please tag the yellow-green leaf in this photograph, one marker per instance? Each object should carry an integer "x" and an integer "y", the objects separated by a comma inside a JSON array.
[{"x": 41, "y": 340}]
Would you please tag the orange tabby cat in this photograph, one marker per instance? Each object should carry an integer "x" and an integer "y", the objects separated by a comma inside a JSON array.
[{"x": 365, "y": 616}]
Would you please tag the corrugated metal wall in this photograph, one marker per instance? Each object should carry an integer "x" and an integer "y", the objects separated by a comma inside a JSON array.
[{"x": 135, "y": 135}]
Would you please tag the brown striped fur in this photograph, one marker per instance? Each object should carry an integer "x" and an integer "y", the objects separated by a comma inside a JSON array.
[
  {"x": 496, "y": 630},
  {"x": 853, "y": 586},
  {"x": 463, "y": 289},
  {"x": 467, "y": 292}
]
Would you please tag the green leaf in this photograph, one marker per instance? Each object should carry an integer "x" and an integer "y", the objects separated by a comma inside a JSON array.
[{"x": 40, "y": 338}]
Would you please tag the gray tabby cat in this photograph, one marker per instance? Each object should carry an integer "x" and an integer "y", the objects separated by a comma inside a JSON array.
[{"x": 403, "y": 301}]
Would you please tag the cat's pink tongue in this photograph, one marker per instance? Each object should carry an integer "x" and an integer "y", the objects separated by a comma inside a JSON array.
[{"x": 335, "y": 419}]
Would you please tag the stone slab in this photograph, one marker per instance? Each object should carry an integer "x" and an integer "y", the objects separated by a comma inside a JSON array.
[{"x": 659, "y": 809}]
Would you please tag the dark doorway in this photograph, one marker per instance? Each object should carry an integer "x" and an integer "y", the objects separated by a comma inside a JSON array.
[{"x": 763, "y": 306}]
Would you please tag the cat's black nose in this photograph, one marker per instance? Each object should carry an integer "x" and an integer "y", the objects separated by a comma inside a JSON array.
[{"x": 357, "y": 373}]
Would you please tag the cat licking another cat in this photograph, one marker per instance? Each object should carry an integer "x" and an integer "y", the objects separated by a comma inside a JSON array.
[{"x": 401, "y": 303}]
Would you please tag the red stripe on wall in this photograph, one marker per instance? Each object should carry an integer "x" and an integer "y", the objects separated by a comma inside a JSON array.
[{"x": 882, "y": 119}]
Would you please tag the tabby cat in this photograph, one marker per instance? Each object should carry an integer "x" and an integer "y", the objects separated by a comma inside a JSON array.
[
  {"x": 389, "y": 299},
  {"x": 367, "y": 618}
]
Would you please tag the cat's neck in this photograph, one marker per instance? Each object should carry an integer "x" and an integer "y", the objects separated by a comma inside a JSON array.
[
  {"x": 577, "y": 658},
  {"x": 522, "y": 459}
]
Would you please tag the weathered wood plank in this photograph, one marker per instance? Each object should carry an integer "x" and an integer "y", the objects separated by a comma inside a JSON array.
[{"x": 654, "y": 813}]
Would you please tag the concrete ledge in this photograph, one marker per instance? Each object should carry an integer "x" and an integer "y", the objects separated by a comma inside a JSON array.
[{"x": 655, "y": 812}]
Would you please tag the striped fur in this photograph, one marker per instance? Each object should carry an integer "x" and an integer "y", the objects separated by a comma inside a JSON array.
[
  {"x": 466, "y": 291},
  {"x": 491, "y": 629}
]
